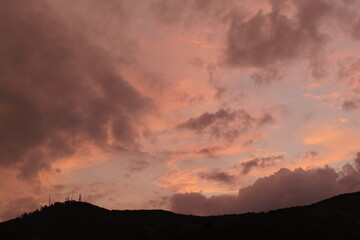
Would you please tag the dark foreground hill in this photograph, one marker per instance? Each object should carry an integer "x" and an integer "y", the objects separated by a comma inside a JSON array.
[{"x": 335, "y": 218}]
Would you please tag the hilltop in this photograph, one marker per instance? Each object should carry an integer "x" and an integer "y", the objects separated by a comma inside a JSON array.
[{"x": 334, "y": 218}]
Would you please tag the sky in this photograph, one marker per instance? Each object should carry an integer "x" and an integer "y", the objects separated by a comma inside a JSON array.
[{"x": 199, "y": 107}]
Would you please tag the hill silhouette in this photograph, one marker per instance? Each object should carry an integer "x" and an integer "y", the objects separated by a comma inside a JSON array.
[{"x": 334, "y": 218}]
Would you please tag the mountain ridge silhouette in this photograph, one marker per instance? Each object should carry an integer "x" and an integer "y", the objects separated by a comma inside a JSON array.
[{"x": 334, "y": 218}]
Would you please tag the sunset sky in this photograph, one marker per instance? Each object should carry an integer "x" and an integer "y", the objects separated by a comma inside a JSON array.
[{"x": 195, "y": 106}]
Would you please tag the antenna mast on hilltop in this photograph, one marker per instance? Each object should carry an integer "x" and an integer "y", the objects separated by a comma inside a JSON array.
[
  {"x": 79, "y": 197},
  {"x": 49, "y": 199}
]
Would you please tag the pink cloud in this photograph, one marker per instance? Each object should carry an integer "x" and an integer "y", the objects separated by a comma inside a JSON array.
[{"x": 284, "y": 188}]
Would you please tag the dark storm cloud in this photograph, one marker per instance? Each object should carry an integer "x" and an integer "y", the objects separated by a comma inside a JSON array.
[
  {"x": 265, "y": 119},
  {"x": 218, "y": 175},
  {"x": 349, "y": 19},
  {"x": 259, "y": 162},
  {"x": 269, "y": 38},
  {"x": 284, "y": 188},
  {"x": 209, "y": 150},
  {"x": 266, "y": 75},
  {"x": 225, "y": 123},
  {"x": 207, "y": 119},
  {"x": 350, "y": 105},
  {"x": 168, "y": 11},
  {"x": 311, "y": 154},
  {"x": 266, "y": 39},
  {"x": 189, "y": 12},
  {"x": 57, "y": 92}
]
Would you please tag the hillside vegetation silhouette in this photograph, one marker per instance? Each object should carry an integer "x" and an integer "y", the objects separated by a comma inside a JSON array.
[{"x": 334, "y": 218}]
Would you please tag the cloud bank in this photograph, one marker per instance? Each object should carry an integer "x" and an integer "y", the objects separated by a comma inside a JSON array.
[
  {"x": 284, "y": 188},
  {"x": 58, "y": 92},
  {"x": 225, "y": 123},
  {"x": 269, "y": 38}
]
